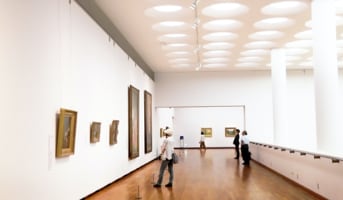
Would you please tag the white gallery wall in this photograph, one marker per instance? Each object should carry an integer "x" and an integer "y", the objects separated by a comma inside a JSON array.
[
  {"x": 52, "y": 56},
  {"x": 251, "y": 89}
]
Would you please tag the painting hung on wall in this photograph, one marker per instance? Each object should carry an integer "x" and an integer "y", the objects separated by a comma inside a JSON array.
[
  {"x": 65, "y": 143},
  {"x": 133, "y": 122},
  {"x": 147, "y": 122},
  {"x": 207, "y": 132},
  {"x": 95, "y": 132},
  {"x": 230, "y": 132},
  {"x": 114, "y": 132}
]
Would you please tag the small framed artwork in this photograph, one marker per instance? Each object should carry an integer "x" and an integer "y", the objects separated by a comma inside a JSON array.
[
  {"x": 230, "y": 132},
  {"x": 207, "y": 132},
  {"x": 65, "y": 143},
  {"x": 95, "y": 132},
  {"x": 147, "y": 122},
  {"x": 161, "y": 132},
  {"x": 133, "y": 122},
  {"x": 114, "y": 132}
]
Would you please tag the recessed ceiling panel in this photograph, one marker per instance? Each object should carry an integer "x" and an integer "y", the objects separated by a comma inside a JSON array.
[{"x": 225, "y": 9}]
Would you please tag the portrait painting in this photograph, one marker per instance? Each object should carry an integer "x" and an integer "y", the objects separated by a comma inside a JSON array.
[
  {"x": 114, "y": 132},
  {"x": 147, "y": 122},
  {"x": 95, "y": 132},
  {"x": 133, "y": 122},
  {"x": 66, "y": 130},
  {"x": 207, "y": 132},
  {"x": 230, "y": 132}
]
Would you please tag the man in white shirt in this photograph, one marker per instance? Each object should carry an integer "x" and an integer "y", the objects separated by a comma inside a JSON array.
[
  {"x": 245, "y": 148},
  {"x": 167, "y": 150}
]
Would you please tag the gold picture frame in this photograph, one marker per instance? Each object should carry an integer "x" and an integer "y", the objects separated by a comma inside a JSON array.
[
  {"x": 114, "y": 132},
  {"x": 65, "y": 143},
  {"x": 95, "y": 132},
  {"x": 133, "y": 122},
  {"x": 207, "y": 132},
  {"x": 147, "y": 122},
  {"x": 230, "y": 132}
]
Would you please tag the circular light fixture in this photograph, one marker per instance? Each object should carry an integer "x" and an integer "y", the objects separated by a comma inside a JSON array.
[
  {"x": 304, "y": 35},
  {"x": 177, "y": 46},
  {"x": 255, "y": 52},
  {"x": 250, "y": 59},
  {"x": 179, "y": 54},
  {"x": 222, "y": 25},
  {"x": 282, "y": 8},
  {"x": 218, "y": 46},
  {"x": 227, "y": 9},
  {"x": 171, "y": 26},
  {"x": 220, "y": 36},
  {"x": 167, "y": 8},
  {"x": 173, "y": 37},
  {"x": 263, "y": 35},
  {"x": 260, "y": 45},
  {"x": 274, "y": 23},
  {"x": 216, "y": 60},
  {"x": 217, "y": 53}
]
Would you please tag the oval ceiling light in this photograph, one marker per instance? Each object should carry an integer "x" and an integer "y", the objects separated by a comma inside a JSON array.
[
  {"x": 274, "y": 23},
  {"x": 226, "y": 9},
  {"x": 180, "y": 60},
  {"x": 215, "y": 65},
  {"x": 177, "y": 46},
  {"x": 222, "y": 25},
  {"x": 247, "y": 64},
  {"x": 300, "y": 44},
  {"x": 216, "y": 60},
  {"x": 184, "y": 65},
  {"x": 218, "y": 46},
  {"x": 260, "y": 45},
  {"x": 250, "y": 59},
  {"x": 166, "y": 10},
  {"x": 266, "y": 35},
  {"x": 171, "y": 26},
  {"x": 174, "y": 37},
  {"x": 179, "y": 54},
  {"x": 255, "y": 52},
  {"x": 220, "y": 36},
  {"x": 304, "y": 35},
  {"x": 282, "y": 8},
  {"x": 217, "y": 53}
]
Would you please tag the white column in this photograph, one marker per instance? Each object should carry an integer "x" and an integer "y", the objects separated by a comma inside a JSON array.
[
  {"x": 326, "y": 77},
  {"x": 279, "y": 83}
]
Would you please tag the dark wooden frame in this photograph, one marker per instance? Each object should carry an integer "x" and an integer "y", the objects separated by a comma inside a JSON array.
[
  {"x": 230, "y": 131},
  {"x": 114, "y": 132},
  {"x": 95, "y": 132},
  {"x": 147, "y": 122},
  {"x": 133, "y": 122},
  {"x": 65, "y": 142}
]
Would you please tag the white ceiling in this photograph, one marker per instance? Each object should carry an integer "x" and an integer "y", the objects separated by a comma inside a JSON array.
[{"x": 242, "y": 46}]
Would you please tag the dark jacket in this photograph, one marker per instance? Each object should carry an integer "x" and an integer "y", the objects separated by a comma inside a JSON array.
[{"x": 236, "y": 140}]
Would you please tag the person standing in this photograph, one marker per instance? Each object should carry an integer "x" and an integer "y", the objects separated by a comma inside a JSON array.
[
  {"x": 167, "y": 150},
  {"x": 245, "y": 148},
  {"x": 202, "y": 141},
  {"x": 236, "y": 143}
]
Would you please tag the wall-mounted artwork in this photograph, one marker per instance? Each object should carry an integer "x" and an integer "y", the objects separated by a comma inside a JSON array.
[
  {"x": 161, "y": 132},
  {"x": 65, "y": 143},
  {"x": 133, "y": 122},
  {"x": 114, "y": 132},
  {"x": 230, "y": 132},
  {"x": 95, "y": 132},
  {"x": 207, "y": 132},
  {"x": 147, "y": 122}
]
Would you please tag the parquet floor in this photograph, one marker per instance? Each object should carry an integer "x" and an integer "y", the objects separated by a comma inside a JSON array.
[{"x": 212, "y": 174}]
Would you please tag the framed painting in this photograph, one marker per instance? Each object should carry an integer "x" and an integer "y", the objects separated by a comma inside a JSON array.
[
  {"x": 95, "y": 132},
  {"x": 114, "y": 132},
  {"x": 133, "y": 122},
  {"x": 147, "y": 122},
  {"x": 65, "y": 143},
  {"x": 230, "y": 132},
  {"x": 161, "y": 132},
  {"x": 207, "y": 132}
]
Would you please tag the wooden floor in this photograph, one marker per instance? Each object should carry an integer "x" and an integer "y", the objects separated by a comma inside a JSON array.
[{"x": 212, "y": 174}]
